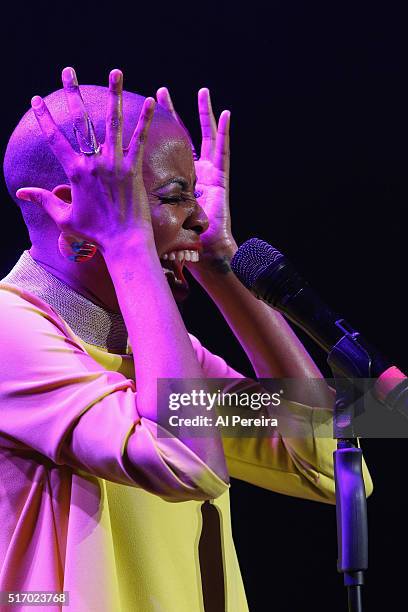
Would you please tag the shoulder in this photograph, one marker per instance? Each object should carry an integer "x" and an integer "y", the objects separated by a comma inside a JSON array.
[
  {"x": 25, "y": 316},
  {"x": 14, "y": 297}
]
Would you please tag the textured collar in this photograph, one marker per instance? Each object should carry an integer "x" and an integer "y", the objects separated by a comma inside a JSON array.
[{"x": 87, "y": 320}]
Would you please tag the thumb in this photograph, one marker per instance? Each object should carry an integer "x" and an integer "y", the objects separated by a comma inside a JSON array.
[{"x": 57, "y": 209}]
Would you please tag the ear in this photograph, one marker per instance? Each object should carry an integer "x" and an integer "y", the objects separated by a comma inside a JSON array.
[{"x": 63, "y": 192}]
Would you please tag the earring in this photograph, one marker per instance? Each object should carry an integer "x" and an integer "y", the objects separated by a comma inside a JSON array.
[{"x": 75, "y": 249}]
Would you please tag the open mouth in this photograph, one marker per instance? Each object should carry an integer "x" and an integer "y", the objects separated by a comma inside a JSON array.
[{"x": 172, "y": 264}]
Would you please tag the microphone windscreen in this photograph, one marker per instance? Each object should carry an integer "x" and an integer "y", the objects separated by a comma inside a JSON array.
[{"x": 252, "y": 258}]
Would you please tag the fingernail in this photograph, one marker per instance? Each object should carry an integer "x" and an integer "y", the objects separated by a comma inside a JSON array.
[
  {"x": 116, "y": 75},
  {"x": 69, "y": 76},
  {"x": 150, "y": 103},
  {"x": 23, "y": 195},
  {"x": 36, "y": 102}
]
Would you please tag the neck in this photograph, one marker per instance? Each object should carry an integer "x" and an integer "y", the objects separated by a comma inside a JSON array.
[
  {"x": 89, "y": 321},
  {"x": 90, "y": 279}
]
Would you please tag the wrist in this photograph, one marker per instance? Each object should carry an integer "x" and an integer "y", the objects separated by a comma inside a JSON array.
[
  {"x": 130, "y": 244},
  {"x": 216, "y": 258},
  {"x": 225, "y": 246}
]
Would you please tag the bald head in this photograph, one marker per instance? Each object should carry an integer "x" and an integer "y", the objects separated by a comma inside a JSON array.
[{"x": 29, "y": 161}]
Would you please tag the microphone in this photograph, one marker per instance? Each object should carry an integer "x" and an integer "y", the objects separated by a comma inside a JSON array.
[{"x": 271, "y": 277}]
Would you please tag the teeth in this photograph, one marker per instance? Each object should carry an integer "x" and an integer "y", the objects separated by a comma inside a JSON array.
[
  {"x": 182, "y": 255},
  {"x": 167, "y": 272}
]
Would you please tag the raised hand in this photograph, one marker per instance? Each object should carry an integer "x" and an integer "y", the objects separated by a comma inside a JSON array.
[
  {"x": 109, "y": 200},
  {"x": 212, "y": 169}
]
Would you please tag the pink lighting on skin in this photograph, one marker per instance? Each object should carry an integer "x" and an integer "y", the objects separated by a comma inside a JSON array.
[{"x": 387, "y": 381}]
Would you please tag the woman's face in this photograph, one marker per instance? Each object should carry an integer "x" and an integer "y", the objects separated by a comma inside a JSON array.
[{"x": 177, "y": 218}]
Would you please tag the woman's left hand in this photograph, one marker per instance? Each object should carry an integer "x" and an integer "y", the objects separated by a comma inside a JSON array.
[{"x": 212, "y": 169}]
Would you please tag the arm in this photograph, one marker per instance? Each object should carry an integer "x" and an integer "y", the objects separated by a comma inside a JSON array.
[
  {"x": 301, "y": 466},
  {"x": 298, "y": 465},
  {"x": 165, "y": 351},
  {"x": 110, "y": 209},
  {"x": 270, "y": 344}
]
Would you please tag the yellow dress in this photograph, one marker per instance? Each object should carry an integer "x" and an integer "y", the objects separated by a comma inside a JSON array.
[{"x": 92, "y": 502}]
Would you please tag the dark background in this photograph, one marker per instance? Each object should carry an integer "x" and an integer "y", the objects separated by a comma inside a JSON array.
[{"x": 319, "y": 148}]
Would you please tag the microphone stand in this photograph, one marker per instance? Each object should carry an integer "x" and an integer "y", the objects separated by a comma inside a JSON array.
[
  {"x": 351, "y": 505},
  {"x": 355, "y": 365},
  {"x": 349, "y": 359}
]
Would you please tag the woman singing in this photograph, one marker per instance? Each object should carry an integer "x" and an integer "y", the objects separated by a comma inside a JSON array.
[{"x": 116, "y": 206}]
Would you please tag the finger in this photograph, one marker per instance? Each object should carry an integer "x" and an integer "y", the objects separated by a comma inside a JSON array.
[
  {"x": 222, "y": 144},
  {"x": 164, "y": 99},
  {"x": 114, "y": 115},
  {"x": 74, "y": 100},
  {"x": 59, "y": 145},
  {"x": 139, "y": 136},
  {"x": 57, "y": 209},
  {"x": 208, "y": 124}
]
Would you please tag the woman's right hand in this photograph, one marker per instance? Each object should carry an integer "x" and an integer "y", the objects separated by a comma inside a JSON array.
[{"x": 109, "y": 200}]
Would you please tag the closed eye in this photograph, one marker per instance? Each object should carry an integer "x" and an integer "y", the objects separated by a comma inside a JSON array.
[
  {"x": 178, "y": 198},
  {"x": 171, "y": 199}
]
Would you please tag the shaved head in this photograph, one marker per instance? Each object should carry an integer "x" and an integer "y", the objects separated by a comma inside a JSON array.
[{"x": 29, "y": 161}]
